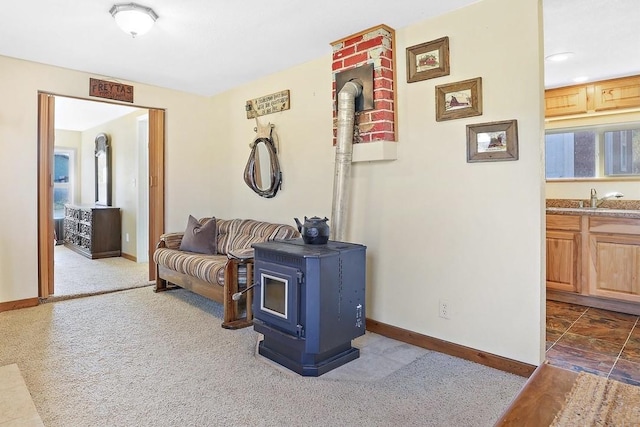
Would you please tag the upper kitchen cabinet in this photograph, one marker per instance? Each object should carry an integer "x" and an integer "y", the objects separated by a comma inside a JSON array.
[
  {"x": 565, "y": 101},
  {"x": 604, "y": 95}
]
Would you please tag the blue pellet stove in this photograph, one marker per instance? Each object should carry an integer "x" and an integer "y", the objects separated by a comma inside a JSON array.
[{"x": 309, "y": 303}]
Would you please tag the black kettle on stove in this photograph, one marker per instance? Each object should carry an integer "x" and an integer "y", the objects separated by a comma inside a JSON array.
[{"x": 315, "y": 230}]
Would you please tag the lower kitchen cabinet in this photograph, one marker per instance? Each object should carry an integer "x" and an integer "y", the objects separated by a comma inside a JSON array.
[
  {"x": 563, "y": 252},
  {"x": 563, "y": 260},
  {"x": 594, "y": 260},
  {"x": 614, "y": 266}
]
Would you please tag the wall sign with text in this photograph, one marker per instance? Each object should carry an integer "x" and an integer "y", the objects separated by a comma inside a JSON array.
[
  {"x": 110, "y": 90},
  {"x": 267, "y": 104}
]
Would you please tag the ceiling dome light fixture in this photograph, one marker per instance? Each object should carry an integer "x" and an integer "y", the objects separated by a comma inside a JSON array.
[
  {"x": 132, "y": 18},
  {"x": 559, "y": 57}
]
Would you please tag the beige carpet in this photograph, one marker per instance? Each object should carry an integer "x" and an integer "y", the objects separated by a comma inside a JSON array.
[
  {"x": 76, "y": 275},
  {"x": 596, "y": 401},
  {"x": 137, "y": 358}
]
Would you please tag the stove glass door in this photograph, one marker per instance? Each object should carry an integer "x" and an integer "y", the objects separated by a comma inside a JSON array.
[
  {"x": 277, "y": 297},
  {"x": 274, "y": 295}
]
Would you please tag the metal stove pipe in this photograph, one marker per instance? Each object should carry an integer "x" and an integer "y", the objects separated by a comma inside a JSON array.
[{"x": 344, "y": 153}]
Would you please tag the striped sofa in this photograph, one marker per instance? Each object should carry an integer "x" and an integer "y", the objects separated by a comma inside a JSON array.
[{"x": 218, "y": 276}]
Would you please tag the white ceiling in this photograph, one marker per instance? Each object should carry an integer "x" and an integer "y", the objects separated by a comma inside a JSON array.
[
  {"x": 207, "y": 47},
  {"x": 80, "y": 115},
  {"x": 604, "y": 36},
  {"x": 198, "y": 46}
]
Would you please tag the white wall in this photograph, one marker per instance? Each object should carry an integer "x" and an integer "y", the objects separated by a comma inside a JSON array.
[
  {"x": 88, "y": 175},
  {"x": 581, "y": 190},
  {"x": 123, "y": 140},
  {"x": 436, "y": 227},
  {"x": 189, "y": 130}
]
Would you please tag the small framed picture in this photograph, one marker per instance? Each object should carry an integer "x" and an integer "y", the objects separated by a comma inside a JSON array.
[
  {"x": 495, "y": 141},
  {"x": 457, "y": 100},
  {"x": 428, "y": 60}
]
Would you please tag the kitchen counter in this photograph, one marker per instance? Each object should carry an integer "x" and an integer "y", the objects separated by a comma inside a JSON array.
[
  {"x": 616, "y": 213},
  {"x": 610, "y": 208}
]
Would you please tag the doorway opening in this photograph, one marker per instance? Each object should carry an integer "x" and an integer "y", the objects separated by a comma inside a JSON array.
[{"x": 138, "y": 194}]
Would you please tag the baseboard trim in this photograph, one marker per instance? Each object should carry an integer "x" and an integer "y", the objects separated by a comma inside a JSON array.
[
  {"x": 129, "y": 257},
  {"x": 627, "y": 307},
  {"x": 15, "y": 305},
  {"x": 488, "y": 359}
]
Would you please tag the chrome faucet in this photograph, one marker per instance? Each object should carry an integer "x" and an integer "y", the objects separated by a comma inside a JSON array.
[
  {"x": 595, "y": 202},
  {"x": 594, "y": 198}
]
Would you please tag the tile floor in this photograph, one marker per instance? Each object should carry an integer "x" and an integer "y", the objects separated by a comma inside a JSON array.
[
  {"x": 598, "y": 341},
  {"x": 16, "y": 407},
  {"x": 379, "y": 357}
]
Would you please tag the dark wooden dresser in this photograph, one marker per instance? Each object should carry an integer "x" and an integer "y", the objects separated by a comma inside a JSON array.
[{"x": 93, "y": 231}]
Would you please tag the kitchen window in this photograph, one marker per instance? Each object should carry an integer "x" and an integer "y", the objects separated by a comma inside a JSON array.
[{"x": 593, "y": 152}]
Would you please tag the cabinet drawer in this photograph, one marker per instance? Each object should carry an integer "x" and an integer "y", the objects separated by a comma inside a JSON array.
[
  {"x": 599, "y": 224},
  {"x": 563, "y": 222}
]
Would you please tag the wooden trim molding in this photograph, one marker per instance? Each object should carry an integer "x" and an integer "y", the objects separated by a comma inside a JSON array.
[
  {"x": 129, "y": 257},
  {"x": 15, "y": 305},
  {"x": 46, "y": 108},
  {"x": 156, "y": 182},
  {"x": 498, "y": 362},
  {"x": 541, "y": 398},
  {"x": 628, "y": 307}
]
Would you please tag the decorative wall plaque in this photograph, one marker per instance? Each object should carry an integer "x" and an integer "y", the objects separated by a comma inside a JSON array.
[
  {"x": 267, "y": 104},
  {"x": 110, "y": 90}
]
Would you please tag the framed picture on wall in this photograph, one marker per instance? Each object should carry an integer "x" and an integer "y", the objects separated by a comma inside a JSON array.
[
  {"x": 495, "y": 141},
  {"x": 457, "y": 100},
  {"x": 428, "y": 60}
]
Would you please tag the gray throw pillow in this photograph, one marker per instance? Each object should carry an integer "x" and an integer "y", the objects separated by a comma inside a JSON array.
[{"x": 200, "y": 238}]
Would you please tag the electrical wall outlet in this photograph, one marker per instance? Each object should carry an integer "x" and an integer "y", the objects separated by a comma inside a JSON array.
[
  {"x": 126, "y": 237},
  {"x": 444, "y": 309}
]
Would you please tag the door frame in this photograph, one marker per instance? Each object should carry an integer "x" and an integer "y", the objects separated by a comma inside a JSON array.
[{"x": 46, "y": 115}]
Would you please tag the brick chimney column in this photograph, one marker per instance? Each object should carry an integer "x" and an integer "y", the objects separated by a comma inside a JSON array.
[{"x": 373, "y": 46}]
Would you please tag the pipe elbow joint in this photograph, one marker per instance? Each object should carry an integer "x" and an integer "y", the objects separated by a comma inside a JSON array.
[{"x": 351, "y": 88}]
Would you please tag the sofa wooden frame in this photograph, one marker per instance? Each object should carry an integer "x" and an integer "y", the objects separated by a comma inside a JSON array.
[{"x": 167, "y": 279}]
